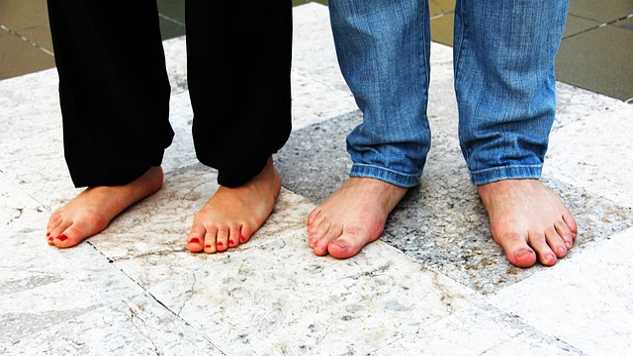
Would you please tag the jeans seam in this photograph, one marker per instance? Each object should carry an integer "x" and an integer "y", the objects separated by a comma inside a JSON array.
[
  {"x": 426, "y": 55},
  {"x": 364, "y": 165},
  {"x": 505, "y": 168},
  {"x": 461, "y": 41}
]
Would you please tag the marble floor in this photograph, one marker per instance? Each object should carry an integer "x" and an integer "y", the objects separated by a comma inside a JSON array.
[{"x": 435, "y": 284}]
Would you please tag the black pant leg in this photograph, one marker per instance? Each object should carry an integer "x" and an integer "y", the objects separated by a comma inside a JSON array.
[
  {"x": 239, "y": 60},
  {"x": 114, "y": 90}
]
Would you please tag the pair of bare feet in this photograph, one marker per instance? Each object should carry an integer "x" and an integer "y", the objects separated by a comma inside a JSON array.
[
  {"x": 228, "y": 219},
  {"x": 529, "y": 221},
  {"x": 526, "y": 219}
]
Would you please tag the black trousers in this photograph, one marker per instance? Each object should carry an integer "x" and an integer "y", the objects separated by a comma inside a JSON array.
[{"x": 114, "y": 90}]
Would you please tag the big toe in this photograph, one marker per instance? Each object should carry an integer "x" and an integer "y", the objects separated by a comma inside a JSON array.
[
  {"x": 521, "y": 257},
  {"x": 69, "y": 238},
  {"x": 517, "y": 250},
  {"x": 195, "y": 241},
  {"x": 195, "y": 244},
  {"x": 343, "y": 248}
]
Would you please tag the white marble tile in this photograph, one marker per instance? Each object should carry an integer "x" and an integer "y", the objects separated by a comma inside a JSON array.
[
  {"x": 272, "y": 295},
  {"x": 130, "y": 326},
  {"x": 313, "y": 46},
  {"x": 313, "y": 101},
  {"x": 584, "y": 301},
  {"x": 574, "y": 104},
  {"x": 278, "y": 298},
  {"x": 441, "y": 62},
  {"x": 29, "y": 105},
  {"x": 36, "y": 164},
  {"x": 531, "y": 344},
  {"x": 181, "y": 152},
  {"x": 73, "y": 301},
  {"x": 477, "y": 330},
  {"x": 13, "y": 203},
  {"x": 596, "y": 154},
  {"x": 176, "y": 63}
]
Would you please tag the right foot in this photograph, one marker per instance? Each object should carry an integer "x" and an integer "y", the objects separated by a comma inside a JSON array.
[
  {"x": 352, "y": 217},
  {"x": 91, "y": 211},
  {"x": 232, "y": 215}
]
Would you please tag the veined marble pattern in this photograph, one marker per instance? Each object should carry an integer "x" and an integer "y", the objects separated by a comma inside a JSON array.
[{"x": 435, "y": 284}]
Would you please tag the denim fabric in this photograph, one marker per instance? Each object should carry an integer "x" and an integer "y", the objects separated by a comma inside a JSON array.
[{"x": 504, "y": 79}]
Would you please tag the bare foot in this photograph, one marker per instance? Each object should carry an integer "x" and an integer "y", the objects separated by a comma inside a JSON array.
[
  {"x": 352, "y": 217},
  {"x": 92, "y": 210},
  {"x": 232, "y": 215},
  {"x": 528, "y": 221}
]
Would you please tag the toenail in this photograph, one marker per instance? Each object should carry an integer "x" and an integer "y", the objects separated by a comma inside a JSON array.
[
  {"x": 207, "y": 246},
  {"x": 195, "y": 240},
  {"x": 48, "y": 234},
  {"x": 568, "y": 244},
  {"x": 220, "y": 243},
  {"x": 523, "y": 252},
  {"x": 50, "y": 238},
  {"x": 549, "y": 257},
  {"x": 562, "y": 250},
  {"x": 242, "y": 239},
  {"x": 62, "y": 237},
  {"x": 231, "y": 242}
]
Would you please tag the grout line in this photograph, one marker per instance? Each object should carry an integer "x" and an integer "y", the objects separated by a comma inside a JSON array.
[
  {"x": 599, "y": 26},
  {"x": 171, "y": 20},
  {"x": 435, "y": 17},
  {"x": 25, "y": 39}
]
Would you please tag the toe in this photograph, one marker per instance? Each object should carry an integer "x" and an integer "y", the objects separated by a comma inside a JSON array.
[
  {"x": 555, "y": 242},
  {"x": 222, "y": 239},
  {"x": 234, "y": 236},
  {"x": 318, "y": 231},
  {"x": 245, "y": 234},
  {"x": 343, "y": 247},
  {"x": 518, "y": 252},
  {"x": 565, "y": 232},
  {"x": 70, "y": 237},
  {"x": 546, "y": 256},
  {"x": 313, "y": 216},
  {"x": 210, "y": 241},
  {"x": 320, "y": 246},
  {"x": 195, "y": 242},
  {"x": 53, "y": 222},
  {"x": 59, "y": 229},
  {"x": 570, "y": 222}
]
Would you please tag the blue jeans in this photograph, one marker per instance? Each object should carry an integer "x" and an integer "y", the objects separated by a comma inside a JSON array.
[{"x": 504, "y": 55}]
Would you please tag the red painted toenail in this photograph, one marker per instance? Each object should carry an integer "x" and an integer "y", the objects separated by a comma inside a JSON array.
[
  {"x": 50, "y": 238},
  {"x": 48, "y": 234},
  {"x": 62, "y": 237},
  {"x": 231, "y": 242},
  {"x": 207, "y": 246},
  {"x": 195, "y": 240},
  {"x": 220, "y": 243},
  {"x": 242, "y": 239}
]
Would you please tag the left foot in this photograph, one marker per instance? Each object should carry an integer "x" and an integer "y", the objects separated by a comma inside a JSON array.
[
  {"x": 232, "y": 215},
  {"x": 528, "y": 221}
]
